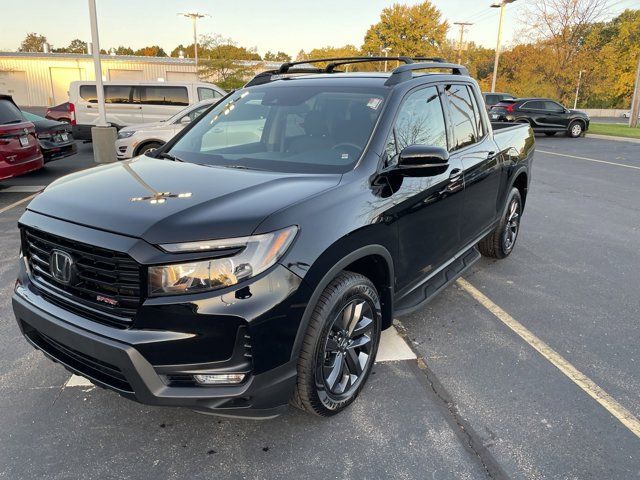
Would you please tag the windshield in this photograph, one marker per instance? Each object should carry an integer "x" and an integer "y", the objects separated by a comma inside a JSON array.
[{"x": 286, "y": 128}]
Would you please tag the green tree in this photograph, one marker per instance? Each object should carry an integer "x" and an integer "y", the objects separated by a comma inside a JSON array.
[
  {"x": 151, "y": 51},
  {"x": 413, "y": 30},
  {"x": 33, "y": 43},
  {"x": 124, "y": 50},
  {"x": 277, "y": 57},
  {"x": 224, "y": 62},
  {"x": 76, "y": 46}
]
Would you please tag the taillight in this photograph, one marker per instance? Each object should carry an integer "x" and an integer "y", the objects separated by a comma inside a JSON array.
[
  {"x": 509, "y": 107},
  {"x": 72, "y": 111}
]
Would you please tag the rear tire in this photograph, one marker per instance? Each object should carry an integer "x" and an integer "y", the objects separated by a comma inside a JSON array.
[
  {"x": 339, "y": 347},
  {"x": 500, "y": 242}
]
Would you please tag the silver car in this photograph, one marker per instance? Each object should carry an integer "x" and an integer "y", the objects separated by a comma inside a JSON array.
[{"x": 138, "y": 139}]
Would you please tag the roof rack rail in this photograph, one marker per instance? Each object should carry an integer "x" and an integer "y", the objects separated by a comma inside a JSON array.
[
  {"x": 333, "y": 63},
  {"x": 405, "y": 72}
]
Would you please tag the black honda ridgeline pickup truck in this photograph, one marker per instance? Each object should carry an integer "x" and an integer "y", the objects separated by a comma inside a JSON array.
[{"x": 254, "y": 259}]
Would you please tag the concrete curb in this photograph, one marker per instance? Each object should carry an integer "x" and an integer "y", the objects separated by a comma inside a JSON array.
[{"x": 611, "y": 137}]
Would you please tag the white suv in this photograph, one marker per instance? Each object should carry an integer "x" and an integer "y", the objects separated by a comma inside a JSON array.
[
  {"x": 131, "y": 103},
  {"x": 138, "y": 139}
]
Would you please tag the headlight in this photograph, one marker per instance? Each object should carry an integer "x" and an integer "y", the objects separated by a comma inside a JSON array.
[
  {"x": 259, "y": 252},
  {"x": 125, "y": 134}
]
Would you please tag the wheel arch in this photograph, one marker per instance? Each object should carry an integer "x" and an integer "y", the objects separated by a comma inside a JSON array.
[
  {"x": 521, "y": 182},
  {"x": 373, "y": 261},
  {"x": 145, "y": 143}
]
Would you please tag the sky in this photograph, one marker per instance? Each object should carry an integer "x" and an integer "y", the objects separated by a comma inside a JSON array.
[{"x": 286, "y": 25}]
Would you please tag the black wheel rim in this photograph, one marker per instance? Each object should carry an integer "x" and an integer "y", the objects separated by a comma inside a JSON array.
[
  {"x": 347, "y": 350},
  {"x": 512, "y": 225}
]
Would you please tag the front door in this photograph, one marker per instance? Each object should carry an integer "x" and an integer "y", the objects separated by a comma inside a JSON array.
[{"x": 427, "y": 209}]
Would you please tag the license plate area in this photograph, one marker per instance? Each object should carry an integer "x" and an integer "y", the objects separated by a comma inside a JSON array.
[{"x": 24, "y": 140}]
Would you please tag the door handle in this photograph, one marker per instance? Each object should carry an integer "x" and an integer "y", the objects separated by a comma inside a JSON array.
[{"x": 456, "y": 174}]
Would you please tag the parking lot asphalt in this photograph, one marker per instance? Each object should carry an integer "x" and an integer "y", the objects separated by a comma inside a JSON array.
[{"x": 479, "y": 402}]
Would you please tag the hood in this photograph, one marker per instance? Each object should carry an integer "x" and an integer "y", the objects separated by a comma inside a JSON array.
[
  {"x": 192, "y": 202},
  {"x": 578, "y": 113}
]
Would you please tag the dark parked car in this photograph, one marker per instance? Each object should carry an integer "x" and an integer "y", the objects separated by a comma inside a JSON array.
[
  {"x": 55, "y": 138},
  {"x": 61, "y": 113},
  {"x": 19, "y": 151},
  {"x": 232, "y": 273},
  {"x": 544, "y": 115},
  {"x": 491, "y": 99}
]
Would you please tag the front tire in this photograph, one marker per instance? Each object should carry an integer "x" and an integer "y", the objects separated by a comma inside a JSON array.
[
  {"x": 340, "y": 345},
  {"x": 146, "y": 147},
  {"x": 500, "y": 242},
  {"x": 575, "y": 129}
]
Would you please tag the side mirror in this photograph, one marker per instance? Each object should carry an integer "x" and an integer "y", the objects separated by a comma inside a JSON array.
[
  {"x": 422, "y": 161},
  {"x": 185, "y": 120}
]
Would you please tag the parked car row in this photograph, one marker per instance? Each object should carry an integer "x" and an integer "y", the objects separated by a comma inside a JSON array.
[
  {"x": 543, "y": 114},
  {"x": 28, "y": 141}
]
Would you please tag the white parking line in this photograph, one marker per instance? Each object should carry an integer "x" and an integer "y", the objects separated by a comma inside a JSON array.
[
  {"x": 580, "y": 379},
  {"x": 15, "y": 204},
  {"x": 22, "y": 189},
  {"x": 590, "y": 159}
]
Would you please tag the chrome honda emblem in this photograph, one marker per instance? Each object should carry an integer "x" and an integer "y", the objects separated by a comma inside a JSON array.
[{"x": 61, "y": 266}]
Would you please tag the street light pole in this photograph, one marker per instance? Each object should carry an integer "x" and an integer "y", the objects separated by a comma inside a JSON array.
[
  {"x": 635, "y": 102},
  {"x": 194, "y": 18},
  {"x": 97, "y": 65},
  {"x": 103, "y": 135},
  {"x": 386, "y": 51},
  {"x": 500, "y": 5},
  {"x": 575, "y": 102}
]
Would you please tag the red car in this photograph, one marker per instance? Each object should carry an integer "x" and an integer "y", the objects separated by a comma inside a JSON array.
[
  {"x": 62, "y": 113},
  {"x": 19, "y": 149}
]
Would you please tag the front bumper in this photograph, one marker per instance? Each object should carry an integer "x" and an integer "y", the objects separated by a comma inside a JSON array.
[
  {"x": 250, "y": 329},
  {"x": 124, "y": 148}
]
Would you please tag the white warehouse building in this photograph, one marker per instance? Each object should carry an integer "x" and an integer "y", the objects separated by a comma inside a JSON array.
[{"x": 42, "y": 79}]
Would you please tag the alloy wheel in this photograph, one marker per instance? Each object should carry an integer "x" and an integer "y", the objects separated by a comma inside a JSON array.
[
  {"x": 347, "y": 351},
  {"x": 512, "y": 225},
  {"x": 576, "y": 130}
]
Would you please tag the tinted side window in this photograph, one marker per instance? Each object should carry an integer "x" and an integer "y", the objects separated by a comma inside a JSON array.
[
  {"x": 476, "y": 112},
  {"x": 117, "y": 94},
  {"x": 162, "y": 95},
  {"x": 88, "y": 93},
  {"x": 533, "y": 105},
  {"x": 462, "y": 116},
  {"x": 420, "y": 121},
  {"x": 205, "y": 93},
  {"x": 553, "y": 107},
  {"x": 492, "y": 99}
]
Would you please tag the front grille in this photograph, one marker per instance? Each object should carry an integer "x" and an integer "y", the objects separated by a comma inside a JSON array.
[
  {"x": 104, "y": 372},
  {"x": 113, "y": 277}
]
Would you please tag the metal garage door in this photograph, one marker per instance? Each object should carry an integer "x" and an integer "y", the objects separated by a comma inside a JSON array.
[
  {"x": 116, "y": 75},
  {"x": 182, "y": 77},
  {"x": 15, "y": 84},
  {"x": 61, "y": 77}
]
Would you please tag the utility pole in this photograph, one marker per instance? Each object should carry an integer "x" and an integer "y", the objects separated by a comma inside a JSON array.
[
  {"x": 575, "y": 102},
  {"x": 635, "y": 103},
  {"x": 386, "y": 51},
  {"x": 460, "y": 43},
  {"x": 501, "y": 6},
  {"x": 194, "y": 18}
]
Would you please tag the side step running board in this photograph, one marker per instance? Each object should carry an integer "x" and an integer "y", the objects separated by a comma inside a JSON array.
[{"x": 429, "y": 289}]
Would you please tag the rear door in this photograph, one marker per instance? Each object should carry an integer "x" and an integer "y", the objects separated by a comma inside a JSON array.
[
  {"x": 160, "y": 102},
  {"x": 534, "y": 111},
  {"x": 474, "y": 147}
]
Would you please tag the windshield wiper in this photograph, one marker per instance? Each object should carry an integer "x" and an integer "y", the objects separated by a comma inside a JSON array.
[
  {"x": 238, "y": 167},
  {"x": 170, "y": 156}
]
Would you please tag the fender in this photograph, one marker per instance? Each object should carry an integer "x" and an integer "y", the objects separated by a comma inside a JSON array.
[{"x": 362, "y": 252}]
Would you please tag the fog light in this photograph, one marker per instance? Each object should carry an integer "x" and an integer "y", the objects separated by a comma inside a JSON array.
[{"x": 219, "y": 378}]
